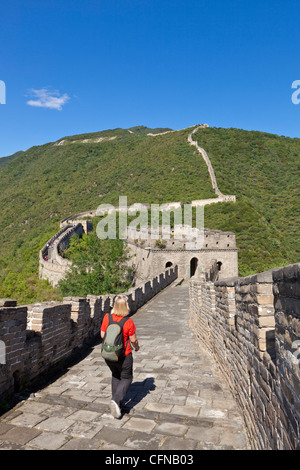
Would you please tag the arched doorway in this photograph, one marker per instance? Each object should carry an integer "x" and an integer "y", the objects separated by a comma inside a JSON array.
[
  {"x": 169, "y": 264},
  {"x": 193, "y": 266}
]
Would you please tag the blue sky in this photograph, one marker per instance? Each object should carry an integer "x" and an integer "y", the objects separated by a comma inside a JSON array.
[{"x": 72, "y": 66}]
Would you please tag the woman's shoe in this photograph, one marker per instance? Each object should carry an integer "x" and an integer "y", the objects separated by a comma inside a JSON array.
[{"x": 115, "y": 409}]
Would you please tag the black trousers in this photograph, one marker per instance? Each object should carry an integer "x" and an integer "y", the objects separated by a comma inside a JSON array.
[{"x": 122, "y": 376}]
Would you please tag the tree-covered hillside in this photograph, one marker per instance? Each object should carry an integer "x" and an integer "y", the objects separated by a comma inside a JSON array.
[{"x": 43, "y": 185}]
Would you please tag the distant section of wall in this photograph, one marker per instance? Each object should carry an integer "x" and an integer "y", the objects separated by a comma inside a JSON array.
[
  {"x": 38, "y": 336},
  {"x": 252, "y": 327},
  {"x": 52, "y": 266},
  {"x": 206, "y": 202},
  {"x": 76, "y": 217},
  {"x": 221, "y": 196}
]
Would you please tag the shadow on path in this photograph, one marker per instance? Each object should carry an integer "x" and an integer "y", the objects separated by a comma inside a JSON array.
[{"x": 136, "y": 393}]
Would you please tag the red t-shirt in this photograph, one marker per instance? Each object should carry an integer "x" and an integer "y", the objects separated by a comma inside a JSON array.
[{"x": 128, "y": 329}]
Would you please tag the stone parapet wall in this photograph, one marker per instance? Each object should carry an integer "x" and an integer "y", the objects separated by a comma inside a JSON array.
[
  {"x": 252, "y": 327},
  {"x": 38, "y": 336},
  {"x": 287, "y": 343}
]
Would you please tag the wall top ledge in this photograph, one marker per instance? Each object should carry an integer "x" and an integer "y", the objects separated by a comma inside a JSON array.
[
  {"x": 229, "y": 282},
  {"x": 74, "y": 299},
  {"x": 265, "y": 277},
  {"x": 287, "y": 273},
  {"x": 260, "y": 278},
  {"x": 8, "y": 303}
]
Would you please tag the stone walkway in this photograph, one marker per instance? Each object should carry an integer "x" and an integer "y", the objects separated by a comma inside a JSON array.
[{"x": 178, "y": 399}]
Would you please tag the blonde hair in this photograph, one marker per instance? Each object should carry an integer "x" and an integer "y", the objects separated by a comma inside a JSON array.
[{"x": 121, "y": 306}]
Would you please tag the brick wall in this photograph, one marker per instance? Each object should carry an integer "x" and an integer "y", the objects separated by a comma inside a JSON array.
[
  {"x": 252, "y": 327},
  {"x": 38, "y": 336}
]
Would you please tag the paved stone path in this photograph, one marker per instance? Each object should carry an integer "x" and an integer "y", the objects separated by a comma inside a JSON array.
[{"x": 178, "y": 399}]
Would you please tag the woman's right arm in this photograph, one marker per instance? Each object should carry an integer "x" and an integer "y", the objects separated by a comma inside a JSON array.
[{"x": 134, "y": 342}]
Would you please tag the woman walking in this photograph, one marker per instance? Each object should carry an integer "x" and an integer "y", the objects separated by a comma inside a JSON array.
[{"x": 122, "y": 370}]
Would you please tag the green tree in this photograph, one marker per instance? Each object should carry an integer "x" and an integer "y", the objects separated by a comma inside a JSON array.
[{"x": 98, "y": 267}]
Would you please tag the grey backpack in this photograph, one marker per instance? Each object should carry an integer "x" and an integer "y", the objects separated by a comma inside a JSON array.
[{"x": 113, "y": 347}]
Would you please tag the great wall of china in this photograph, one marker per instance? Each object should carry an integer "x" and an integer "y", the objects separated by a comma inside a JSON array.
[{"x": 250, "y": 325}]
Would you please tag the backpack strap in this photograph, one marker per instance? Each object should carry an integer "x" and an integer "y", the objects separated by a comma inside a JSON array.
[
  {"x": 123, "y": 321},
  {"x": 120, "y": 322}
]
